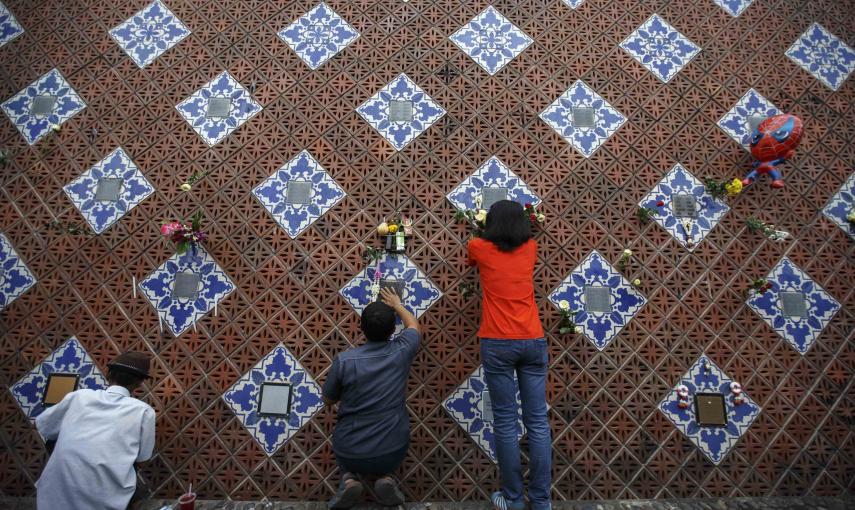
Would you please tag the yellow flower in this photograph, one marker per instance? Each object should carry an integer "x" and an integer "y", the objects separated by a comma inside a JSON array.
[
  {"x": 637, "y": 282},
  {"x": 564, "y": 305},
  {"x": 186, "y": 186},
  {"x": 851, "y": 216},
  {"x": 481, "y": 216},
  {"x": 393, "y": 228},
  {"x": 541, "y": 218},
  {"x": 734, "y": 188}
]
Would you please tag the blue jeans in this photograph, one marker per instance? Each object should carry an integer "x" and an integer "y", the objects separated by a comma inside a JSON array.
[{"x": 527, "y": 359}]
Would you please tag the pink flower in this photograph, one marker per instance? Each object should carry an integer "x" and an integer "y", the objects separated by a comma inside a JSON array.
[{"x": 168, "y": 229}]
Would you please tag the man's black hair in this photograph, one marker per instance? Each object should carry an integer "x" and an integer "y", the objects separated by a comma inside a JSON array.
[
  {"x": 378, "y": 322},
  {"x": 124, "y": 378},
  {"x": 508, "y": 227}
]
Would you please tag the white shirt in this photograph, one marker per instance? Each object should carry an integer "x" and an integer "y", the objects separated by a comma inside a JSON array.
[{"x": 99, "y": 435}]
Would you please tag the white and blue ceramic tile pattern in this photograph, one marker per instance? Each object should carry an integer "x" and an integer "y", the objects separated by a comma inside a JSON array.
[
  {"x": 736, "y": 122},
  {"x": 101, "y": 214},
  {"x": 800, "y": 331},
  {"x": 69, "y": 358},
  {"x": 318, "y": 35},
  {"x": 733, "y": 7},
  {"x": 9, "y": 26},
  {"x": 714, "y": 441},
  {"x": 823, "y": 55},
  {"x": 493, "y": 173},
  {"x": 15, "y": 276},
  {"x": 573, "y": 3},
  {"x": 600, "y": 327},
  {"x": 297, "y": 217},
  {"x": 419, "y": 293},
  {"x": 225, "y": 91},
  {"x": 280, "y": 366},
  {"x": 149, "y": 33},
  {"x": 180, "y": 313},
  {"x": 491, "y": 40},
  {"x": 660, "y": 48},
  {"x": 424, "y": 111},
  {"x": 587, "y": 138},
  {"x": 709, "y": 210},
  {"x": 466, "y": 407},
  {"x": 841, "y": 204},
  {"x": 57, "y": 102}
]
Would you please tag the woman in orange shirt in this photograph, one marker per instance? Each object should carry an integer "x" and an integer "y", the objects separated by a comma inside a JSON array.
[{"x": 513, "y": 344}]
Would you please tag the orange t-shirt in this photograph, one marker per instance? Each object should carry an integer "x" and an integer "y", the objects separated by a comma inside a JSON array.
[{"x": 508, "y": 309}]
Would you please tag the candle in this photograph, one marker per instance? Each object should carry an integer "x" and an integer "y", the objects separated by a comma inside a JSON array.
[
  {"x": 134, "y": 283},
  {"x": 160, "y": 324}
]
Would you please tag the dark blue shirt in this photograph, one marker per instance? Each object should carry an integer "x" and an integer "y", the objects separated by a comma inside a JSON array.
[{"x": 370, "y": 383}]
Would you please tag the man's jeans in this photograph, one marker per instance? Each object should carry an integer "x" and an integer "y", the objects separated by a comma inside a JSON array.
[{"x": 527, "y": 359}]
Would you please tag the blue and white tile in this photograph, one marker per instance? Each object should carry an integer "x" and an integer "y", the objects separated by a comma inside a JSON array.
[
  {"x": 15, "y": 276},
  {"x": 69, "y": 358},
  {"x": 734, "y": 7},
  {"x": 660, "y": 48},
  {"x": 280, "y": 366},
  {"x": 823, "y": 55},
  {"x": 800, "y": 332},
  {"x": 573, "y": 4},
  {"x": 586, "y": 140},
  {"x": 841, "y": 204},
  {"x": 599, "y": 327},
  {"x": 426, "y": 112},
  {"x": 149, "y": 33},
  {"x": 34, "y": 127},
  {"x": 736, "y": 122},
  {"x": 102, "y": 214},
  {"x": 212, "y": 129},
  {"x": 9, "y": 26},
  {"x": 295, "y": 218},
  {"x": 491, "y": 40},
  {"x": 714, "y": 441},
  {"x": 318, "y": 35},
  {"x": 419, "y": 292},
  {"x": 493, "y": 173},
  {"x": 710, "y": 211},
  {"x": 466, "y": 407},
  {"x": 179, "y": 313}
]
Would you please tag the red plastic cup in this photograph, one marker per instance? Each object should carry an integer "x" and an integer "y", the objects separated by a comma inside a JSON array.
[{"x": 187, "y": 501}]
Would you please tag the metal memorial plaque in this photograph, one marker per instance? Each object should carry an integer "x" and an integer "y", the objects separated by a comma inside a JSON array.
[
  {"x": 583, "y": 117},
  {"x": 486, "y": 406},
  {"x": 274, "y": 399},
  {"x": 684, "y": 205},
  {"x": 42, "y": 106},
  {"x": 58, "y": 386},
  {"x": 492, "y": 194},
  {"x": 396, "y": 285},
  {"x": 109, "y": 189},
  {"x": 710, "y": 409},
  {"x": 400, "y": 110},
  {"x": 793, "y": 304},
  {"x": 598, "y": 299},
  {"x": 754, "y": 121},
  {"x": 186, "y": 286},
  {"x": 218, "y": 107},
  {"x": 298, "y": 192}
]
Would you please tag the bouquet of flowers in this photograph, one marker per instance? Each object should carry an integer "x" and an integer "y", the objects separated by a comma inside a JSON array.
[
  {"x": 756, "y": 225},
  {"x": 185, "y": 236},
  {"x": 645, "y": 214},
  {"x": 567, "y": 324},
  {"x": 760, "y": 285}
]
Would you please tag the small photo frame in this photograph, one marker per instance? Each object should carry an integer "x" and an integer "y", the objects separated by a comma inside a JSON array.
[
  {"x": 396, "y": 285},
  {"x": 58, "y": 386},
  {"x": 274, "y": 399},
  {"x": 710, "y": 409}
]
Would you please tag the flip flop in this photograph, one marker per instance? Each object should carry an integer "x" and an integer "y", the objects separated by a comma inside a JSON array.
[
  {"x": 347, "y": 496},
  {"x": 387, "y": 492}
]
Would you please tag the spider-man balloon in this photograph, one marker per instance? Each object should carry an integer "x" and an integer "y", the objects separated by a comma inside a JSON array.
[{"x": 774, "y": 141}]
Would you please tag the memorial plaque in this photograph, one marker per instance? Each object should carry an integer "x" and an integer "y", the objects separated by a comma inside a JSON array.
[
  {"x": 400, "y": 110},
  {"x": 710, "y": 409},
  {"x": 793, "y": 304},
  {"x": 218, "y": 107},
  {"x": 684, "y": 205},
  {"x": 492, "y": 194},
  {"x": 186, "y": 286},
  {"x": 486, "y": 406},
  {"x": 109, "y": 189},
  {"x": 42, "y": 106},
  {"x": 298, "y": 192},
  {"x": 396, "y": 285},
  {"x": 754, "y": 121},
  {"x": 274, "y": 399},
  {"x": 58, "y": 386},
  {"x": 584, "y": 117},
  {"x": 598, "y": 299}
]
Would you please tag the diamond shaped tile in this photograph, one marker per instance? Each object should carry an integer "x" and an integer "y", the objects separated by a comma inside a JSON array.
[
  {"x": 272, "y": 432},
  {"x": 34, "y": 127},
  {"x": 741, "y": 121},
  {"x": 586, "y": 139},
  {"x": 149, "y": 33},
  {"x": 491, "y": 40},
  {"x": 714, "y": 441},
  {"x": 466, "y": 405},
  {"x": 419, "y": 293},
  {"x": 376, "y": 111},
  {"x": 660, "y": 48},
  {"x": 15, "y": 277},
  {"x": 291, "y": 212},
  {"x": 841, "y": 204},
  {"x": 624, "y": 300},
  {"x": 823, "y": 55},
  {"x": 709, "y": 210},
  {"x": 68, "y": 358},
  {"x": 100, "y": 211},
  {"x": 9, "y": 26},
  {"x": 179, "y": 313},
  {"x": 213, "y": 130},
  {"x": 318, "y": 35},
  {"x": 788, "y": 279},
  {"x": 492, "y": 174},
  {"x": 733, "y": 7}
]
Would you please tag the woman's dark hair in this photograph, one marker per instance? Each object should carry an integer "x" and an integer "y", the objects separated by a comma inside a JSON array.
[
  {"x": 124, "y": 378},
  {"x": 507, "y": 225}
]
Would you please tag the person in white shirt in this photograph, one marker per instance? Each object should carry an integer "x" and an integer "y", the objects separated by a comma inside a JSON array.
[{"x": 100, "y": 435}]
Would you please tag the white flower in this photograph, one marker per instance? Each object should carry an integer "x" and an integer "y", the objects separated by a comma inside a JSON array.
[
  {"x": 578, "y": 329},
  {"x": 851, "y": 216},
  {"x": 55, "y": 128},
  {"x": 627, "y": 253},
  {"x": 564, "y": 305},
  {"x": 779, "y": 235},
  {"x": 481, "y": 215},
  {"x": 541, "y": 218},
  {"x": 186, "y": 186}
]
